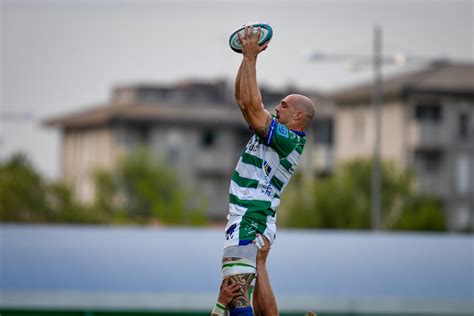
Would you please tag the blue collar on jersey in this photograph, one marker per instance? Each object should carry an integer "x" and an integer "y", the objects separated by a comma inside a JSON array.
[
  {"x": 299, "y": 133},
  {"x": 296, "y": 132}
]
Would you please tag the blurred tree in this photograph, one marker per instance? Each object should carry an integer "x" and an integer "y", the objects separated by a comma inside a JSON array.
[
  {"x": 343, "y": 201},
  {"x": 141, "y": 187},
  {"x": 22, "y": 192},
  {"x": 26, "y": 197},
  {"x": 65, "y": 208}
]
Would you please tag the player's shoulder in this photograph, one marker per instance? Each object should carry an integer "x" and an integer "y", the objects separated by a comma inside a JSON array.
[{"x": 290, "y": 135}]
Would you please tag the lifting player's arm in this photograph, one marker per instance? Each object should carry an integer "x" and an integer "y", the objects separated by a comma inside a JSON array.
[
  {"x": 247, "y": 93},
  {"x": 264, "y": 301}
]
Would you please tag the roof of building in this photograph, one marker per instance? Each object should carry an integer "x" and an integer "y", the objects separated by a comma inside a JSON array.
[
  {"x": 160, "y": 268},
  {"x": 187, "y": 102},
  {"x": 444, "y": 78},
  {"x": 215, "y": 116}
]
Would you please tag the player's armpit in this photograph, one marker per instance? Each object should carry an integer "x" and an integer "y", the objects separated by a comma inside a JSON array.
[
  {"x": 262, "y": 132},
  {"x": 245, "y": 281}
]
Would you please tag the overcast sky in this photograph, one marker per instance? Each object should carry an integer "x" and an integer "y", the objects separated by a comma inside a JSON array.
[{"x": 62, "y": 56}]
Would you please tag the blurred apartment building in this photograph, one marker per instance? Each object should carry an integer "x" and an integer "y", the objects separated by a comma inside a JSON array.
[
  {"x": 427, "y": 120},
  {"x": 427, "y": 124},
  {"x": 195, "y": 126}
]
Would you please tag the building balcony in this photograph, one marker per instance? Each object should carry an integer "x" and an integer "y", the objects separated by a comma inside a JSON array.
[
  {"x": 428, "y": 135},
  {"x": 433, "y": 185}
]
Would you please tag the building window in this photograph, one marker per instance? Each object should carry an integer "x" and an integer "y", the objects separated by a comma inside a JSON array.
[
  {"x": 462, "y": 216},
  {"x": 323, "y": 131},
  {"x": 174, "y": 145},
  {"x": 428, "y": 112},
  {"x": 143, "y": 134},
  {"x": 359, "y": 128},
  {"x": 462, "y": 174},
  {"x": 463, "y": 126},
  {"x": 208, "y": 138},
  {"x": 428, "y": 161}
]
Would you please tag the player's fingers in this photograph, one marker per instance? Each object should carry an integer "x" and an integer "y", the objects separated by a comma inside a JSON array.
[
  {"x": 225, "y": 283},
  {"x": 257, "y": 243},
  {"x": 235, "y": 290},
  {"x": 260, "y": 241},
  {"x": 241, "y": 38},
  {"x": 247, "y": 31},
  {"x": 234, "y": 287},
  {"x": 259, "y": 33},
  {"x": 264, "y": 46}
]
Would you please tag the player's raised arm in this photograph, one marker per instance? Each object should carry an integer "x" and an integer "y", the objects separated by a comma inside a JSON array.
[{"x": 247, "y": 93}]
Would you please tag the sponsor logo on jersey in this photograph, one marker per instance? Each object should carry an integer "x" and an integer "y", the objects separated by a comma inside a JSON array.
[
  {"x": 229, "y": 234},
  {"x": 282, "y": 130},
  {"x": 267, "y": 168},
  {"x": 267, "y": 189}
]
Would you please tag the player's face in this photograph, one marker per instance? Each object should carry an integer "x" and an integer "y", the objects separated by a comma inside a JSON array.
[{"x": 285, "y": 111}]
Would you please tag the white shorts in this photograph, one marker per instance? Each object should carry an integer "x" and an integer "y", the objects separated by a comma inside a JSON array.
[
  {"x": 232, "y": 232},
  {"x": 241, "y": 249}
]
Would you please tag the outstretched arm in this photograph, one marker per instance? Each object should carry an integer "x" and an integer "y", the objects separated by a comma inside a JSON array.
[
  {"x": 247, "y": 93},
  {"x": 264, "y": 301},
  {"x": 238, "y": 98}
]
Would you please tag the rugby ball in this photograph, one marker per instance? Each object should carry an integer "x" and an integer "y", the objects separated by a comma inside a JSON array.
[{"x": 266, "y": 34}]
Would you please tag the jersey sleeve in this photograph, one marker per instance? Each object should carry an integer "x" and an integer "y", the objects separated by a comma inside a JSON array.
[{"x": 281, "y": 139}]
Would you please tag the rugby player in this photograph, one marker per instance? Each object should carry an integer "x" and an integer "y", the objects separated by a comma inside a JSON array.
[{"x": 262, "y": 172}]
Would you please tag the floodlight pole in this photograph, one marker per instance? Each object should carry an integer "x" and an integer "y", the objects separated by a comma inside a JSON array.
[
  {"x": 376, "y": 104},
  {"x": 377, "y": 61}
]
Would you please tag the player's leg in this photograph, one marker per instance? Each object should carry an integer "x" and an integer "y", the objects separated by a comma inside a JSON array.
[
  {"x": 243, "y": 299},
  {"x": 238, "y": 264}
]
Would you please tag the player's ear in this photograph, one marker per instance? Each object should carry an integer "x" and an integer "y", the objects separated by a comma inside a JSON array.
[{"x": 298, "y": 115}]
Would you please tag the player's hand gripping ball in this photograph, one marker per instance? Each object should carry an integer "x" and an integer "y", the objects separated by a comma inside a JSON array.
[{"x": 266, "y": 33}]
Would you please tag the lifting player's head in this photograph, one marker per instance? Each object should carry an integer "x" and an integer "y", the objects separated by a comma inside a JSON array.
[{"x": 295, "y": 111}]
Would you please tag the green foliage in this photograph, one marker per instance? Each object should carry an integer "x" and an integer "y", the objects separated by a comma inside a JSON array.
[
  {"x": 139, "y": 190},
  {"x": 26, "y": 197},
  {"x": 66, "y": 209},
  {"x": 142, "y": 188},
  {"x": 343, "y": 201},
  {"x": 422, "y": 213},
  {"x": 22, "y": 192}
]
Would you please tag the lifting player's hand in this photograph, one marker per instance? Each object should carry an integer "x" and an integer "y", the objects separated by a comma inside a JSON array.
[
  {"x": 250, "y": 40},
  {"x": 229, "y": 290},
  {"x": 263, "y": 245}
]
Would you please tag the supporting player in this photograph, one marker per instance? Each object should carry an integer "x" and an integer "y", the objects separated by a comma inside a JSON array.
[
  {"x": 264, "y": 302},
  {"x": 262, "y": 173}
]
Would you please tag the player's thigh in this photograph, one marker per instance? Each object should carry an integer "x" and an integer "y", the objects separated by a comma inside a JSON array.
[{"x": 245, "y": 282}]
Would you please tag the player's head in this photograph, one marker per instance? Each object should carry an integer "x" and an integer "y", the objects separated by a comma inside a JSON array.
[{"x": 295, "y": 111}]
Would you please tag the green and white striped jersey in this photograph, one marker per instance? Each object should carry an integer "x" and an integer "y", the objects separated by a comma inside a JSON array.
[{"x": 262, "y": 173}]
